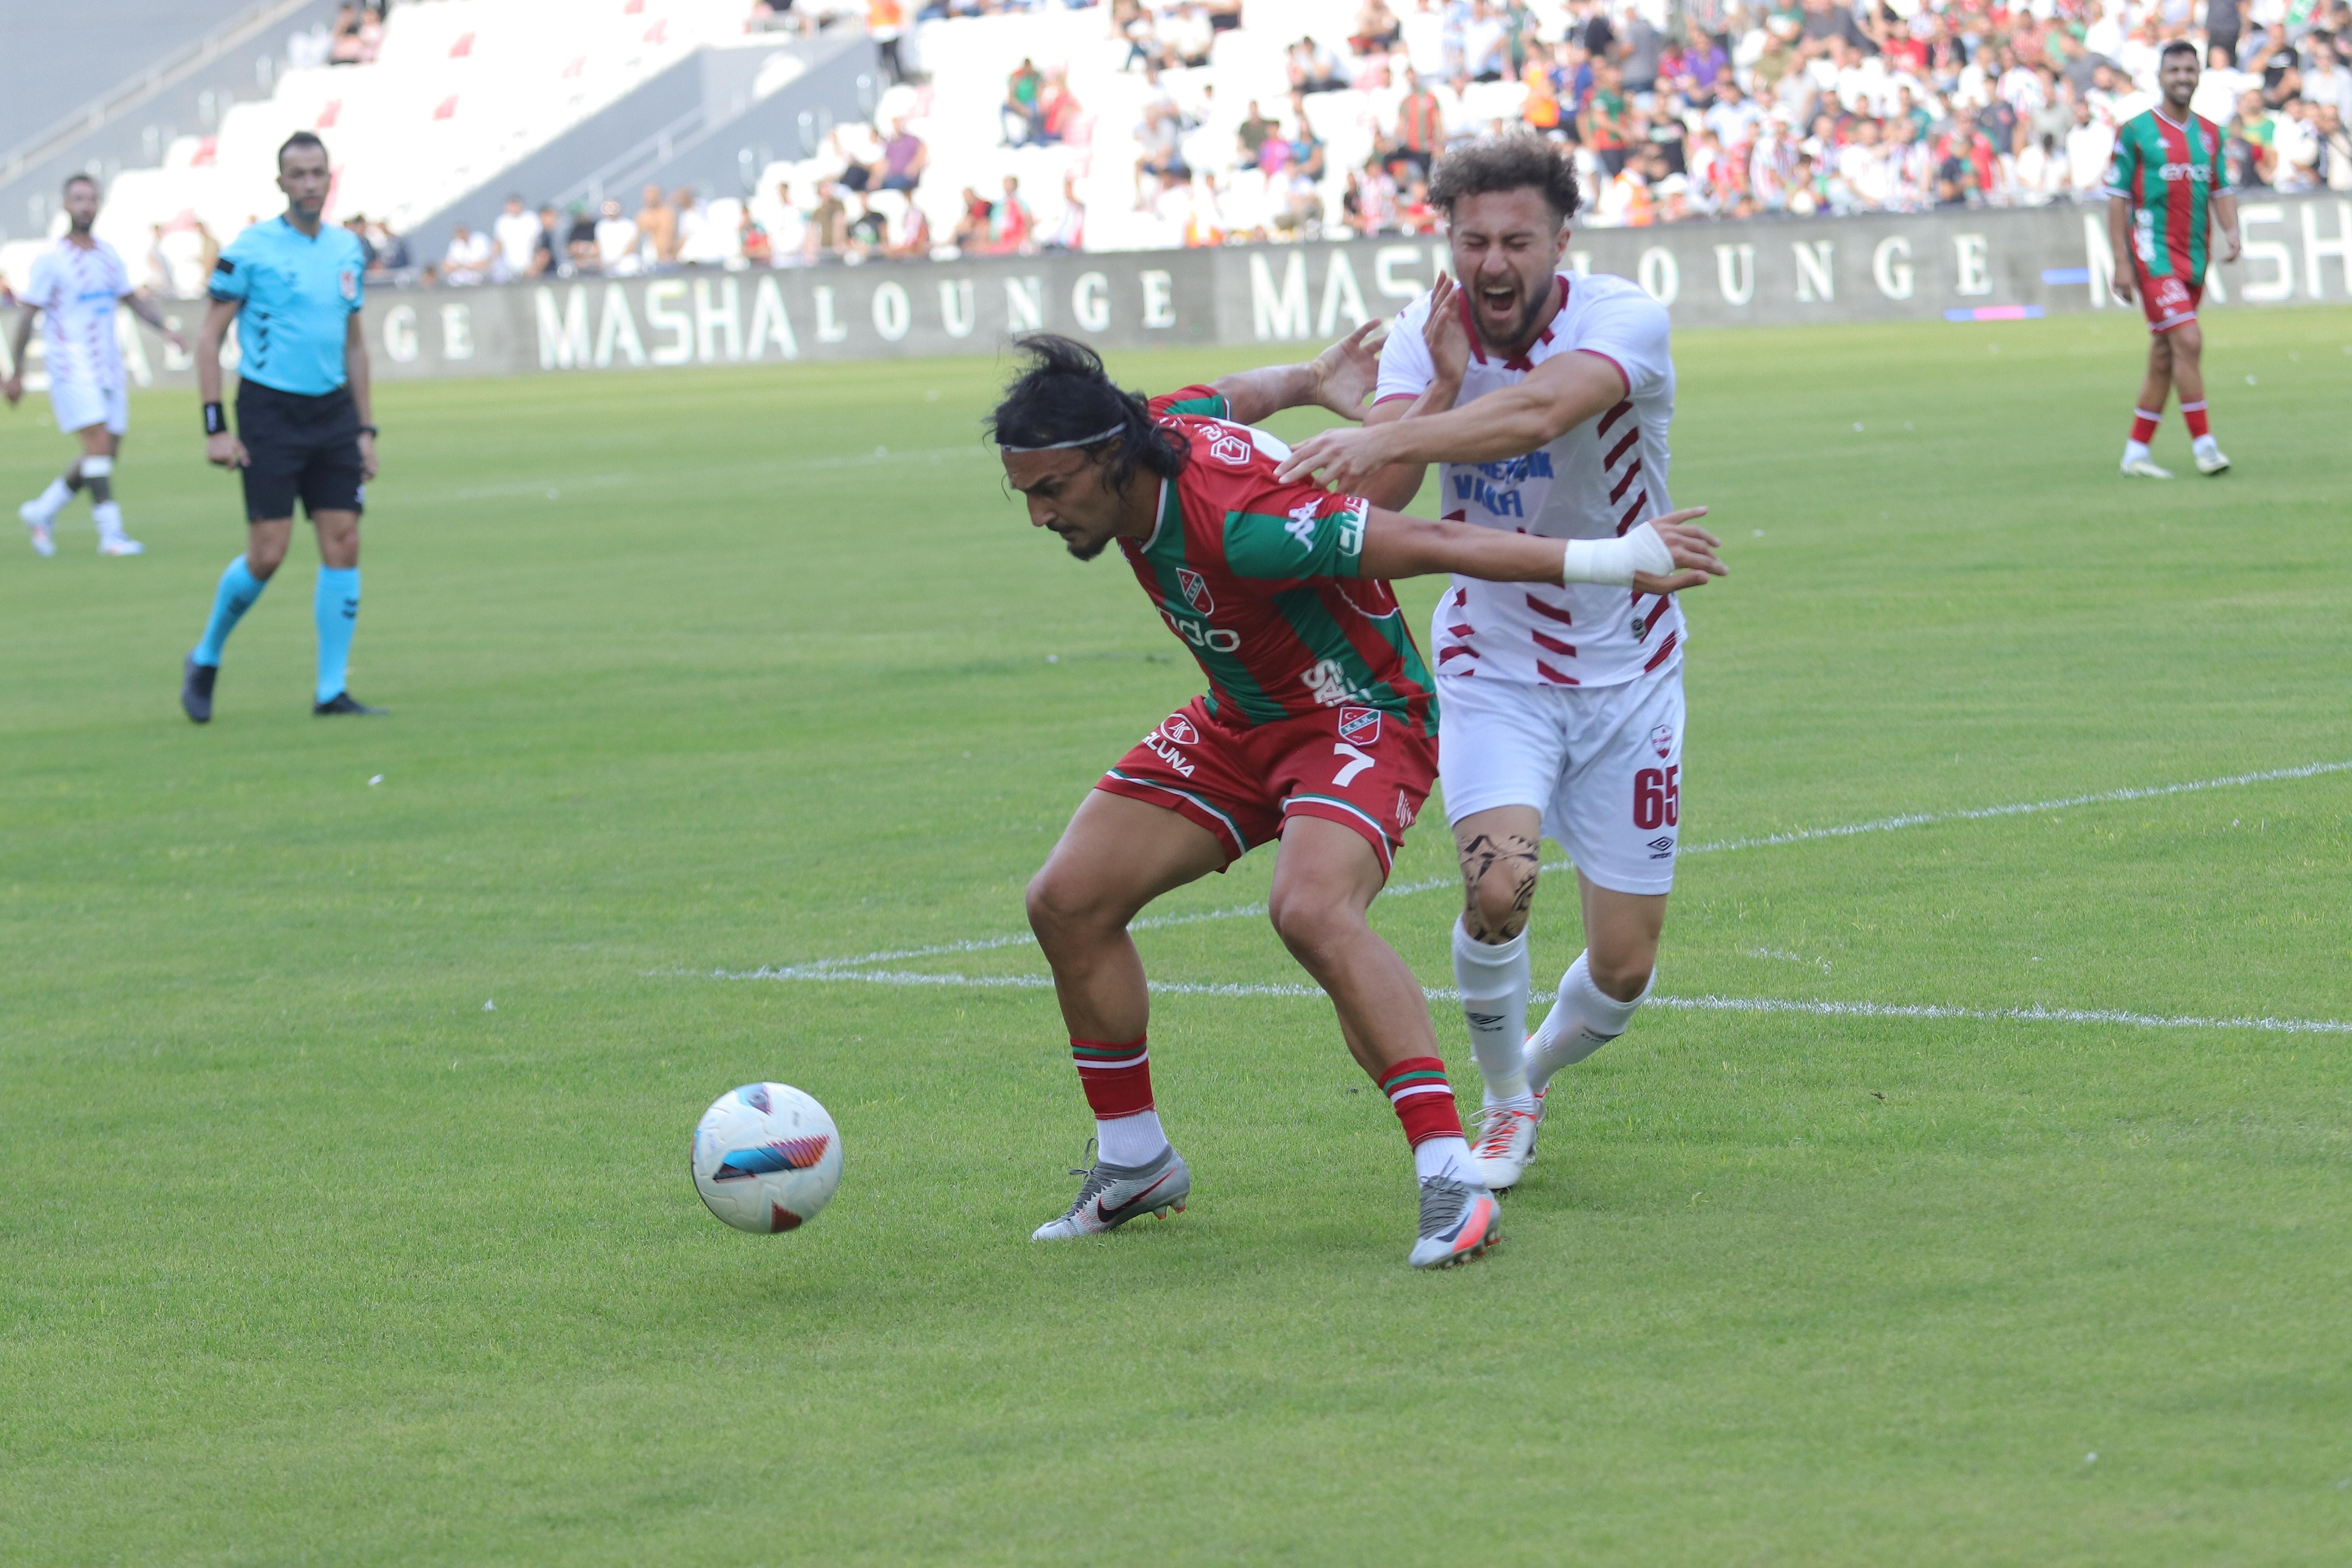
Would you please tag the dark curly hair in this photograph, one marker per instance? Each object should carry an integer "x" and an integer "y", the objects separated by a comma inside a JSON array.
[
  {"x": 1065, "y": 395},
  {"x": 1511, "y": 162}
]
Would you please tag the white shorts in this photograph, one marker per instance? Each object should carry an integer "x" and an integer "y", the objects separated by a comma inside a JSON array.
[
  {"x": 1604, "y": 764},
  {"x": 79, "y": 404}
]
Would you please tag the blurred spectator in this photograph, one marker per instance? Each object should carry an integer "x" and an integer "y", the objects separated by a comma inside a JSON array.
[
  {"x": 1252, "y": 133},
  {"x": 909, "y": 238},
  {"x": 691, "y": 220},
  {"x": 1421, "y": 124},
  {"x": 346, "y": 48},
  {"x": 1059, "y": 109},
  {"x": 656, "y": 228},
  {"x": 972, "y": 228},
  {"x": 358, "y": 225},
  {"x": 886, "y": 24},
  {"x": 1377, "y": 29},
  {"x": 547, "y": 245},
  {"x": 828, "y": 230},
  {"x": 581, "y": 247},
  {"x": 392, "y": 254},
  {"x": 515, "y": 232},
  {"x": 1023, "y": 118},
  {"x": 1314, "y": 68},
  {"x": 903, "y": 159},
  {"x": 158, "y": 265},
  {"x": 751, "y": 239},
  {"x": 1069, "y": 230},
  {"x": 468, "y": 259},
  {"x": 616, "y": 239},
  {"x": 2334, "y": 149}
]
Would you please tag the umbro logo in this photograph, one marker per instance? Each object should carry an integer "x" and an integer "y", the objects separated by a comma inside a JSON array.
[{"x": 1661, "y": 846}]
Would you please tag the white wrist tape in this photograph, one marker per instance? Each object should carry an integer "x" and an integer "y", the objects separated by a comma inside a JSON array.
[{"x": 1614, "y": 562}]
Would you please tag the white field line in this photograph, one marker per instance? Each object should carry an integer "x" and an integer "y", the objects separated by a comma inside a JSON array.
[
  {"x": 1698, "y": 1004},
  {"x": 1430, "y": 884}
]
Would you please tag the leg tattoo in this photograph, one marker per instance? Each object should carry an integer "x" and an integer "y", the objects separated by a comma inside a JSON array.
[{"x": 1512, "y": 859}]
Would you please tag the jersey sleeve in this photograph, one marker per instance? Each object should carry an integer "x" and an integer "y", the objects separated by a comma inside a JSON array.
[
  {"x": 41, "y": 287},
  {"x": 232, "y": 275},
  {"x": 1201, "y": 402},
  {"x": 2123, "y": 169},
  {"x": 2219, "y": 165},
  {"x": 1292, "y": 533},
  {"x": 1633, "y": 332},
  {"x": 1405, "y": 367},
  {"x": 356, "y": 260}
]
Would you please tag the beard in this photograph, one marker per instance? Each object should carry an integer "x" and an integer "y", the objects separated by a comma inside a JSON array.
[
  {"x": 1085, "y": 551},
  {"x": 1524, "y": 329}
]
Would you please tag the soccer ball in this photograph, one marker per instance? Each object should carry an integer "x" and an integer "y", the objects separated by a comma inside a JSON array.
[{"x": 766, "y": 1157}]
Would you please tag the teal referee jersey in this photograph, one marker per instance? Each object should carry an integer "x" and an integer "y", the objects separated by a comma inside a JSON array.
[{"x": 298, "y": 295}]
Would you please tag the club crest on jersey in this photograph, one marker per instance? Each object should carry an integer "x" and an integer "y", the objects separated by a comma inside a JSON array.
[
  {"x": 1179, "y": 729},
  {"x": 1196, "y": 590},
  {"x": 1662, "y": 741},
  {"x": 1359, "y": 725},
  {"x": 1231, "y": 449}
]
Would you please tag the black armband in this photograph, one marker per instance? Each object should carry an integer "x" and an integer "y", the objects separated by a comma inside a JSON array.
[
  {"x": 216, "y": 422},
  {"x": 367, "y": 429}
]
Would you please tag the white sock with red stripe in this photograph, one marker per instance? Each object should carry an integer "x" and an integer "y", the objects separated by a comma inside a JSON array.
[
  {"x": 1580, "y": 1022},
  {"x": 1117, "y": 1078},
  {"x": 1492, "y": 977},
  {"x": 1422, "y": 1097}
]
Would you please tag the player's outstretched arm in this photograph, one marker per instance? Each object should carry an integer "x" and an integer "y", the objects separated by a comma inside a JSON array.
[
  {"x": 1511, "y": 422},
  {"x": 1664, "y": 555},
  {"x": 1340, "y": 378}
]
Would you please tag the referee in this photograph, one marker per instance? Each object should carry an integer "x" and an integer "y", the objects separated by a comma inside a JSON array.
[{"x": 292, "y": 287}]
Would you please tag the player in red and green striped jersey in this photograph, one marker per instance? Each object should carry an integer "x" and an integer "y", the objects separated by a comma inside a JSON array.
[
  {"x": 2165, "y": 189},
  {"x": 1318, "y": 732}
]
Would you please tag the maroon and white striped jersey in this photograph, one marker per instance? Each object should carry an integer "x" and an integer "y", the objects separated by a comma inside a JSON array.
[
  {"x": 75, "y": 290},
  {"x": 1593, "y": 482}
]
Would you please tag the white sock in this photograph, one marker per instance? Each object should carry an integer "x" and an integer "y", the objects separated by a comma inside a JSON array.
[
  {"x": 2134, "y": 452},
  {"x": 51, "y": 501},
  {"x": 1443, "y": 1157},
  {"x": 1494, "y": 981},
  {"x": 1134, "y": 1140},
  {"x": 1580, "y": 1022},
  {"x": 2205, "y": 446},
  {"x": 108, "y": 516}
]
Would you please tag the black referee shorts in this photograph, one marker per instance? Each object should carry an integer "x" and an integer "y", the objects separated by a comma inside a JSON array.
[{"x": 298, "y": 448}]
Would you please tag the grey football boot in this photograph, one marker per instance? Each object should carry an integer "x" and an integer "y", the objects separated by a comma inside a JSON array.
[
  {"x": 1113, "y": 1195},
  {"x": 1459, "y": 1220}
]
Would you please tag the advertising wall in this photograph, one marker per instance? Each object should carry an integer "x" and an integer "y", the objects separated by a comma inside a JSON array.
[{"x": 1962, "y": 265}]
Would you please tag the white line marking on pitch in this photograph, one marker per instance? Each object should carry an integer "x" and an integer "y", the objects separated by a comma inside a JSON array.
[
  {"x": 1710, "y": 1003},
  {"x": 1430, "y": 884}
]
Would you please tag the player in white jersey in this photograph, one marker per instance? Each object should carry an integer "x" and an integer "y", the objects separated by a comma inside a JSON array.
[
  {"x": 77, "y": 283},
  {"x": 1545, "y": 396}
]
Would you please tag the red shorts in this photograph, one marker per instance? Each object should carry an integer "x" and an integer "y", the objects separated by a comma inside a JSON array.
[
  {"x": 1356, "y": 765},
  {"x": 2169, "y": 300}
]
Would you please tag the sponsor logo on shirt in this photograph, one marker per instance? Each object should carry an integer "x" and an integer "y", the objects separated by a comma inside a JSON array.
[
  {"x": 1196, "y": 590},
  {"x": 1496, "y": 486},
  {"x": 1359, "y": 725},
  {"x": 1328, "y": 680},
  {"x": 2198, "y": 173}
]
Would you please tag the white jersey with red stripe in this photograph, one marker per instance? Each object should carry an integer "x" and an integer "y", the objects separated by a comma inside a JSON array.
[
  {"x": 1593, "y": 482},
  {"x": 75, "y": 288}
]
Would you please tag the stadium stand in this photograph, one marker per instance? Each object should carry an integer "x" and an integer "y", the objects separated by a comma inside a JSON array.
[{"x": 1124, "y": 126}]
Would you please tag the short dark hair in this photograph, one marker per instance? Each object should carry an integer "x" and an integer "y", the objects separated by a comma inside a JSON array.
[
  {"x": 79, "y": 178},
  {"x": 2177, "y": 47},
  {"x": 300, "y": 139},
  {"x": 1508, "y": 162},
  {"x": 1065, "y": 395}
]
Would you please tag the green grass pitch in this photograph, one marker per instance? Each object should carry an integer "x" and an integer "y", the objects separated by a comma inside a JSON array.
[{"x": 308, "y": 1254}]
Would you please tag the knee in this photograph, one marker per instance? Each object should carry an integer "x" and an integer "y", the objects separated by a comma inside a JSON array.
[
  {"x": 1061, "y": 906},
  {"x": 1310, "y": 924},
  {"x": 1498, "y": 901},
  {"x": 263, "y": 560},
  {"x": 1620, "y": 973}
]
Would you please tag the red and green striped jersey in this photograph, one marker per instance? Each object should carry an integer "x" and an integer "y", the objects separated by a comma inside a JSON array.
[
  {"x": 1260, "y": 578},
  {"x": 2170, "y": 173}
]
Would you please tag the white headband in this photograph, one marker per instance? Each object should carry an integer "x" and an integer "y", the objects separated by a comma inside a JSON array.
[{"x": 1119, "y": 429}]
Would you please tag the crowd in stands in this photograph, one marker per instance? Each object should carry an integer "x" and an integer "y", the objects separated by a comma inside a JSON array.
[{"x": 1731, "y": 109}]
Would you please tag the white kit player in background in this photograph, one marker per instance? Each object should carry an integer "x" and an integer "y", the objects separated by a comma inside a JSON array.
[
  {"x": 77, "y": 283},
  {"x": 1545, "y": 396}
]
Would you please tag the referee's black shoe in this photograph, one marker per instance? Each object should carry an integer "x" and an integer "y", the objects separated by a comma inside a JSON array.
[
  {"x": 344, "y": 702},
  {"x": 197, "y": 690}
]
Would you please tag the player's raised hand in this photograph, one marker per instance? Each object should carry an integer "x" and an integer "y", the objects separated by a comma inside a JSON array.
[
  {"x": 1694, "y": 549},
  {"x": 1446, "y": 333},
  {"x": 1344, "y": 457},
  {"x": 225, "y": 451},
  {"x": 1347, "y": 372}
]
